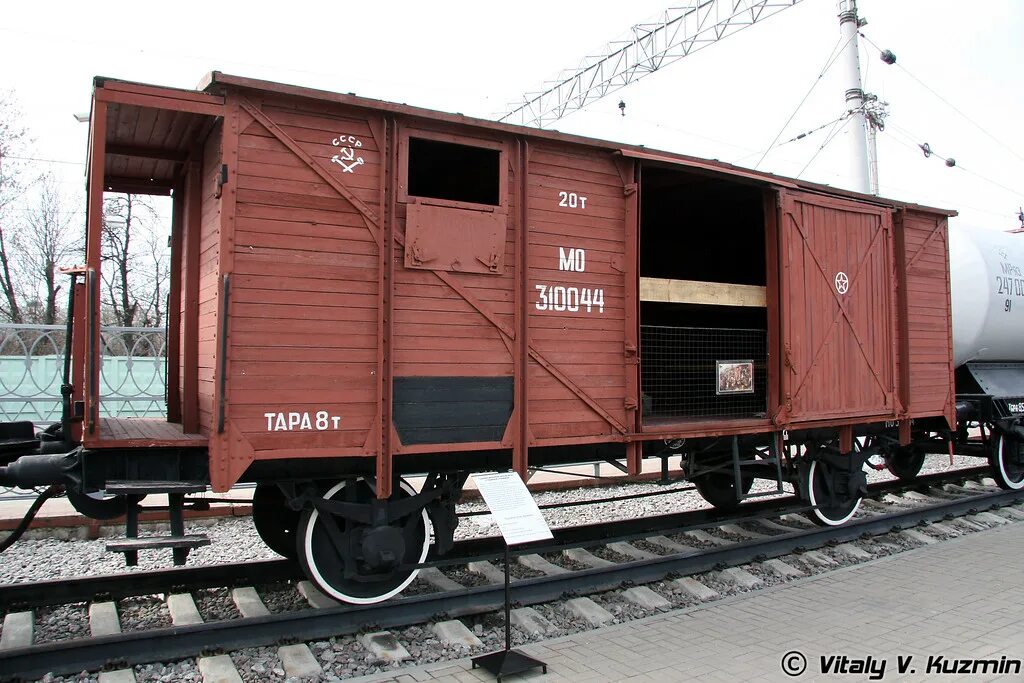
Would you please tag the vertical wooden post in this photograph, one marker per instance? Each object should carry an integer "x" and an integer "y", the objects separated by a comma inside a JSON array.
[
  {"x": 224, "y": 464},
  {"x": 94, "y": 232},
  {"x": 902, "y": 317},
  {"x": 521, "y": 347},
  {"x": 773, "y": 396},
  {"x": 173, "y": 380},
  {"x": 191, "y": 237},
  {"x": 629, "y": 174},
  {"x": 388, "y": 229}
]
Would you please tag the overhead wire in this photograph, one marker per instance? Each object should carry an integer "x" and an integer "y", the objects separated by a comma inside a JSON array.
[
  {"x": 832, "y": 134},
  {"x": 909, "y": 135},
  {"x": 949, "y": 104},
  {"x": 833, "y": 56}
]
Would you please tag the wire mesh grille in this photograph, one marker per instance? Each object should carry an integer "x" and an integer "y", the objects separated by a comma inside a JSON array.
[{"x": 690, "y": 372}]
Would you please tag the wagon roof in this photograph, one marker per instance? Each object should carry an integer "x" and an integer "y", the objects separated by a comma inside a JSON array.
[{"x": 144, "y": 141}]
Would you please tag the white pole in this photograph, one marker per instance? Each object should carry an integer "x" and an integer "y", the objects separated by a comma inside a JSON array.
[{"x": 858, "y": 132}]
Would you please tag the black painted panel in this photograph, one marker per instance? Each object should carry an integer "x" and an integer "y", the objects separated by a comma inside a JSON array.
[{"x": 439, "y": 410}]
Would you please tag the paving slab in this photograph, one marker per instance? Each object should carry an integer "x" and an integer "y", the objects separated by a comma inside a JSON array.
[
  {"x": 630, "y": 550},
  {"x": 249, "y": 602},
  {"x": 384, "y": 646},
  {"x": 298, "y": 661},
  {"x": 672, "y": 546},
  {"x": 990, "y": 518},
  {"x": 783, "y": 569},
  {"x": 119, "y": 676},
  {"x": 704, "y": 537},
  {"x": 487, "y": 570},
  {"x": 942, "y": 528},
  {"x": 852, "y": 551},
  {"x": 103, "y": 619},
  {"x": 531, "y": 622},
  {"x": 454, "y": 632},
  {"x": 183, "y": 610},
  {"x": 799, "y": 521},
  {"x": 1009, "y": 513},
  {"x": 646, "y": 598},
  {"x": 917, "y": 537},
  {"x": 947, "y": 601},
  {"x": 436, "y": 578},
  {"x": 817, "y": 557},
  {"x": 589, "y": 611},
  {"x": 695, "y": 588},
  {"x": 738, "y": 576},
  {"x": 775, "y": 526},
  {"x": 219, "y": 669},
  {"x": 314, "y": 596},
  {"x": 539, "y": 564},
  {"x": 737, "y": 530},
  {"x": 584, "y": 556},
  {"x": 18, "y": 628}
]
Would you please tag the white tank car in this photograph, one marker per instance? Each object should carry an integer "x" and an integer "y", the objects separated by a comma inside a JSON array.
[{"x": 987, "y": 290}]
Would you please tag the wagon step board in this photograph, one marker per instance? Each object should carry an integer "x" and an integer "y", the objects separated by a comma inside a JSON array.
[
  {"x": 145, "y": 487},
  {"x": 158, "y": 542}
]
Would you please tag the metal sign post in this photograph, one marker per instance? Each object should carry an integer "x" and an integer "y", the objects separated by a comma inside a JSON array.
[{"x": 520, "y": 521}]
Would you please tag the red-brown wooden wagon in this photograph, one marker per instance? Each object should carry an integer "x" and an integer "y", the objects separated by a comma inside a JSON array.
[{"x": 363, "y": 290}]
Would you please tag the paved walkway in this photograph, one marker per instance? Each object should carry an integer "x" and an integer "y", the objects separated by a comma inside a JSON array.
[{"x": 958, "y": 599}]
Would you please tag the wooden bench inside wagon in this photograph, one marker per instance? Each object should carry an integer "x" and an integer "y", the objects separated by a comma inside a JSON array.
[{"x": 370, "y": 302}]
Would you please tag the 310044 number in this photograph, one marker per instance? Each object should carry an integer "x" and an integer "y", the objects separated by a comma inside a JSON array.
[{"x": 571, "y": 299}]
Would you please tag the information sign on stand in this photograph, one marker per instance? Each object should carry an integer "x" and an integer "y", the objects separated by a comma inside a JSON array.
[{"x": 520, "y": 521}]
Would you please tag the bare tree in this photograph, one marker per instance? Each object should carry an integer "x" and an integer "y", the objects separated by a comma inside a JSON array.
[
  {"x": 48, "y": 241},
  {"x": 135, "y": 270},
  {"x": 14, "y": 179}
]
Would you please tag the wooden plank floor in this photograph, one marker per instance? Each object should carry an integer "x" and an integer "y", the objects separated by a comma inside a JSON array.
[{"x": 143, "y": 431}]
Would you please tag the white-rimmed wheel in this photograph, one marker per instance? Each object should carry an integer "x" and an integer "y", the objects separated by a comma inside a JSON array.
[
  {"x": 1007, "y": 461},
  {"x": 833, "y": 504},
  {"x": 355, "y": 563}
]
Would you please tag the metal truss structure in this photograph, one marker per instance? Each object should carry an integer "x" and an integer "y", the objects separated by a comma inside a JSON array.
[{"x": 647, "y": 48}]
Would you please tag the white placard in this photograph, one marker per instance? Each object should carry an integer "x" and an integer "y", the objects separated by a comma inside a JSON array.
[{"x": 512, "y": 506}]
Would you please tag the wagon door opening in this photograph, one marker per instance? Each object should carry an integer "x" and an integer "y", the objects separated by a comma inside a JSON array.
[
  {"x": 144, "y": 347},
  {"x": 703, "y": 315}
]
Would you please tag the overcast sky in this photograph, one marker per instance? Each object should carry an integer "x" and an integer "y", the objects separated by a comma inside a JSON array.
[{"x": 728, "y": 101}]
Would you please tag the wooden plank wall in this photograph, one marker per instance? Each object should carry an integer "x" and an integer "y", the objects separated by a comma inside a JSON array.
[
  {"x": 437, "y": 331},
  {"x": 304, "y": 292},
  {"x": 587, "y": 346},
  {"x": 926, "y": 254},
  {"x": 841, "y": 367},
  {"x": 209, "y": 279}
]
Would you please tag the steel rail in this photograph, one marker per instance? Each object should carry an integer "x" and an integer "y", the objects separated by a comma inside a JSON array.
[
  {"x": 122, "y": 585},
  {"x": 166, "y": 644}
]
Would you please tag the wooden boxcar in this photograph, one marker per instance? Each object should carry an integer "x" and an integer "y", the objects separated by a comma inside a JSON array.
[{"x": 364, "y": 289}]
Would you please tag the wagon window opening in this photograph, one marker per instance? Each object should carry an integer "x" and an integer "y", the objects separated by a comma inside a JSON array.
[
  {"x": 703, "y": 281},
  {"x": 446, "y": 170}
]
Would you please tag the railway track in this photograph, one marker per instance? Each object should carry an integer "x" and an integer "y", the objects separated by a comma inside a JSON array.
[{"x": 579, "y": 561}]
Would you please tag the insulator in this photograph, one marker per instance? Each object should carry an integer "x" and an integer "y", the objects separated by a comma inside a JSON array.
[
  {"x": 622, "y": 107},
  {"x": 888, "y": 57}
]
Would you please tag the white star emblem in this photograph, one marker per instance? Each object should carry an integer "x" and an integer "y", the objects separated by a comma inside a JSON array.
[{"x": 842, "y": 282}]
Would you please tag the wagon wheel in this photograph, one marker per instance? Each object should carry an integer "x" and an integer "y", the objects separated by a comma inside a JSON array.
[
  {"x": 380, "y": 556},
  {"x": 832, "y": 505},
  {"x": 1007, "y": 461},
  {"x": 905, "y": 462},
  {"x": 275, "y": 522},
  {"x": 719, "y": 489}
]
